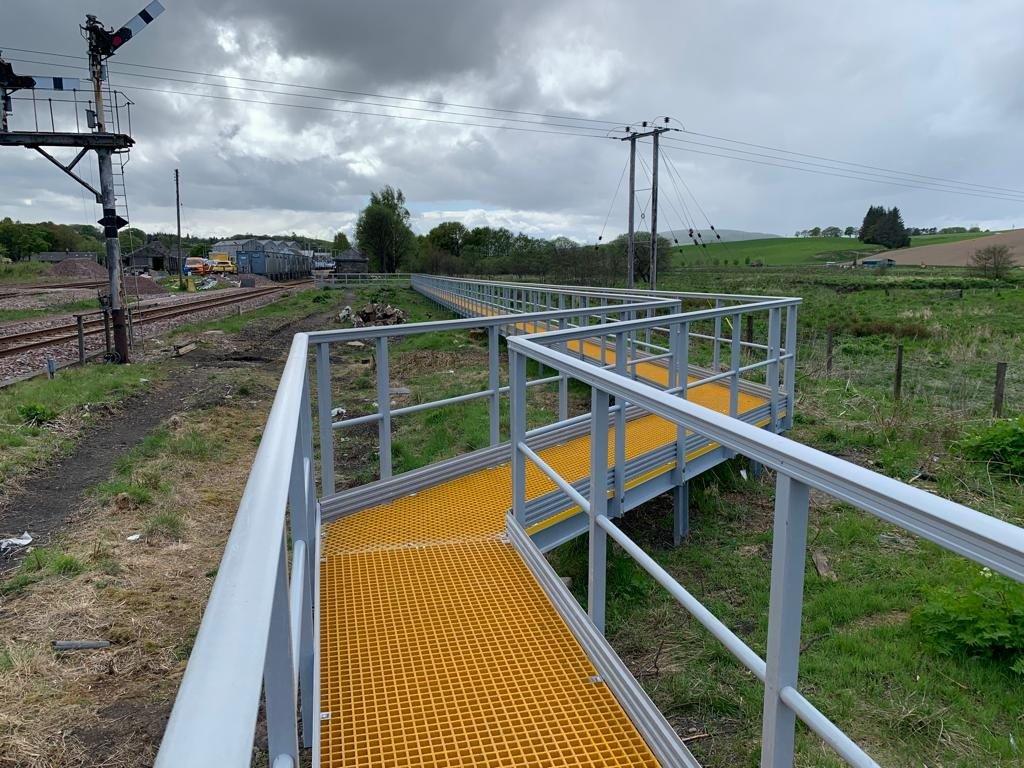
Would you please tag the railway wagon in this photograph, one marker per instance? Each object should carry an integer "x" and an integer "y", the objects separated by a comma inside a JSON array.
[{"x": 274, "y": 264}]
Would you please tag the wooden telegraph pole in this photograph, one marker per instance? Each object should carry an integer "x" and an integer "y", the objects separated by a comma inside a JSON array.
[{"x": 654, "y": 133}]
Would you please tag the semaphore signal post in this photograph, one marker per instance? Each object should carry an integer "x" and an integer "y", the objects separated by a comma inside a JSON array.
[{"x": 103, "y": 136}]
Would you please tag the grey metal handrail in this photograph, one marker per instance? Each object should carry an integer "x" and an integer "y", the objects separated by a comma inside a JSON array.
[
  {"x": 982, "y": 538},
  {"x": 257, "y": 628}
]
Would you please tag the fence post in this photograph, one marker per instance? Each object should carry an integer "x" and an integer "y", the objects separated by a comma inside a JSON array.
[
  {"x": 997, "y": 403},
  {"x": 324, "y": 402},
  {"x": 598, "y": 506},
  {"x": 493, "y": 383},
  {"x": 517, "y": 431},
  {"x": 80, "y": 321},
  {"x": 778, "y": 727},
  {"x": 828, "y": 352},
  {"x": 897, "y": 390}
]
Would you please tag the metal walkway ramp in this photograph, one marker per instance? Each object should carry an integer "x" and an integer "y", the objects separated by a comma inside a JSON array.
[{"x": 414, "y": 621}]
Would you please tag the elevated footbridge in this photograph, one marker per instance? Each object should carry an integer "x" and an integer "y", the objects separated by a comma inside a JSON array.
[{"x": 414, "y": 621}]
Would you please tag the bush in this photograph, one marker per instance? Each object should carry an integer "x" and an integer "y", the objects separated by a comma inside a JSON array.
[
  {"x": 36, "y": 413},
  {"x": 1001, "y": 444},
  {"x": 984, "y": 617}
]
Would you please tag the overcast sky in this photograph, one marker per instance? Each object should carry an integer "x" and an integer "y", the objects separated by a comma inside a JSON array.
[{"x": 931, "y": 87}]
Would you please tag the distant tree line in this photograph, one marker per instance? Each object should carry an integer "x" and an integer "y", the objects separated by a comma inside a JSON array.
[
  {"x": 18, "y": 241},
  {"x": 384, "y": 235},
  {"x": 856, "y": 232}
]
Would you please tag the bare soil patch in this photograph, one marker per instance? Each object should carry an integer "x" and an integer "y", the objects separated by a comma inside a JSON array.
[{"x": 957, "y": 254}]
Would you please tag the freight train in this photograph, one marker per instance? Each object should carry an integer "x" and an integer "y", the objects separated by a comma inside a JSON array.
[{"x": 274, "y": 259}]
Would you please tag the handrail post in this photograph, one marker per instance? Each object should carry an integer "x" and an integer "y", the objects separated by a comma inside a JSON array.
[
  {"x": 493, "y": 383},
  {"x": 680, "y": 375},
  {"x": 517, "y": 431},
  {"x": 598, "y": 556},
  {"x": 735, "y": 363},
  {"x": 778, "y": 734},
  {"x": 324, "y": 402},
  {"x": 772, "y": 375},
  {"x": 384, "y": 407},
  {"x": 303, "y": 528},
  {"x": 716, "y": 355},
  {"x": 790, "y": 368},
  {"x": 620, "y": 428},
  {"x": 279, "y": 684}
]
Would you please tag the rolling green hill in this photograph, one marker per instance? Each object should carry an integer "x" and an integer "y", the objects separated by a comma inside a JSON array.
[{"x": 791, "y": 250}]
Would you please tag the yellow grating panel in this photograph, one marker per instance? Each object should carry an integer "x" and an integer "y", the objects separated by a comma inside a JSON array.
[
  {"x": 474, "y": 505},
  {"x": 453, "y": 656}
]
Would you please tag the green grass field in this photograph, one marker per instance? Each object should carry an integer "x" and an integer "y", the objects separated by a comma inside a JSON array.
[{"x": 782, "y": 251}]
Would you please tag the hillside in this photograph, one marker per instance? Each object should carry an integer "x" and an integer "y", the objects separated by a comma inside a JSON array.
[
  {"x": 728, "y": 235},
  {"x": 773, "y": 251},
  {"x": 946, "y": 250}
]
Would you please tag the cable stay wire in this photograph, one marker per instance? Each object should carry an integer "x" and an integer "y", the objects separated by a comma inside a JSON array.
[
  {"x": 611, "y": 206},
  {"x": 668, "y": 199},
  {"x": 606, "y": 123}
]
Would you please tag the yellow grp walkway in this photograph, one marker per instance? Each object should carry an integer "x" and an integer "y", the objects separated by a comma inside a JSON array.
[{"x": 438, "y": 647}]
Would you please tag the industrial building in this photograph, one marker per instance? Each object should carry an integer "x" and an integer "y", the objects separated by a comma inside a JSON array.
[{"x": 351, "y": 261}]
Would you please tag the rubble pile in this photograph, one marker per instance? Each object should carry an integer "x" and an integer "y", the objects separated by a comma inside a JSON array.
[
  {"x": 83, "y": 268},
  {"x": 374, "y": 313}
]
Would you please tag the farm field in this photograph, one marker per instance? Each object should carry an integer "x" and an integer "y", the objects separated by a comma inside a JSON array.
[
  {"x": 956, "y": 253},
  {"x": 781, "y": 251}
]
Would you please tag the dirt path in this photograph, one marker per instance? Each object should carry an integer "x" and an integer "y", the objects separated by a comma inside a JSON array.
[
  {"x": 51, "y": 497},
  {"x": 144, "y": 593}
]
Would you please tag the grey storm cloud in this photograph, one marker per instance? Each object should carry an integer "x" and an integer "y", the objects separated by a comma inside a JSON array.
[{"x": 919, "y": 86}]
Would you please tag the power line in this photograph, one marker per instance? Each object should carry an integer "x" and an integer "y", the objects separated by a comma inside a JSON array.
[
  {"x": 1000, "y": 193},
  {"x": 607, "y": 123},
  {"x": 868, "y": 174},
  {"x": 847, "y": 162},
  {"x": 601, "y": 131},
  {"x": 840, "y": 175}
]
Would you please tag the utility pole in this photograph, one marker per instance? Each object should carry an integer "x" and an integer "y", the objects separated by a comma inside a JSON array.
[
  {"x": 177, "y": 212},
  {"x": 654, "y": 211},
  {"x": 631, "y": 250},
  {"x": 103, "y": 43}
]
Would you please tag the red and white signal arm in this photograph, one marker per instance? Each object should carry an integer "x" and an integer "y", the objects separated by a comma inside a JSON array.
[{"x": 135, "y": 24}]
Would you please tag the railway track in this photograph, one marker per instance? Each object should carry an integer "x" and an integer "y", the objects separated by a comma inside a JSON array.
[{"x": 24, "y": 341}]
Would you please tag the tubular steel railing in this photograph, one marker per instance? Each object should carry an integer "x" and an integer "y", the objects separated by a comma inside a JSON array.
[
  {"x": 984, "y": 539},
  {"x": 346, "y": 279},
  {"x": 258, "y": 632}
]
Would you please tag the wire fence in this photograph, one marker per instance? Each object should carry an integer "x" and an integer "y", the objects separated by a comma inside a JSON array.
[{"x": 957, "y": 381}]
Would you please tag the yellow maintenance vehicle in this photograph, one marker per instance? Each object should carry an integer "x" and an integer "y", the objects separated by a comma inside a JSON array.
[{"x": 222, "y": 264}]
